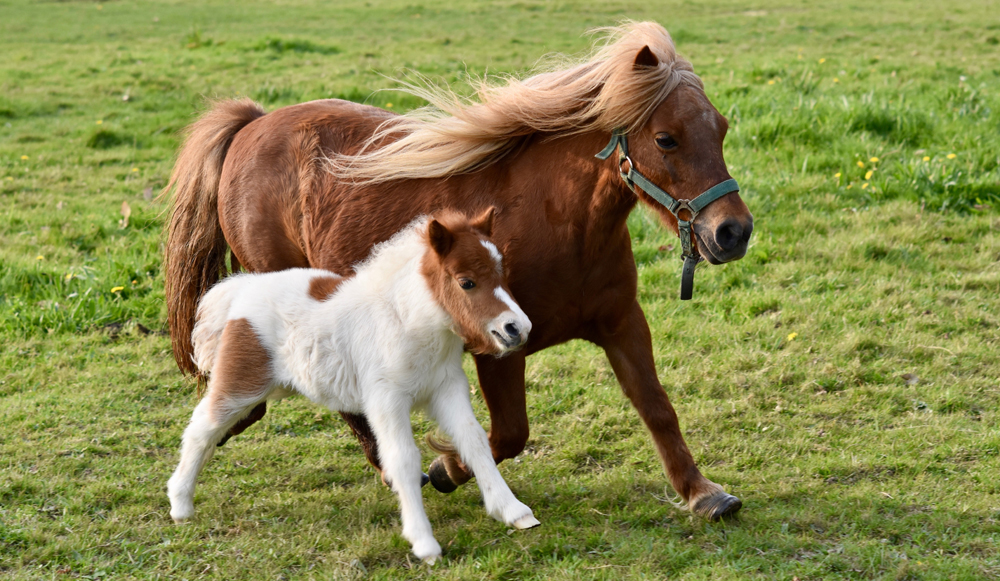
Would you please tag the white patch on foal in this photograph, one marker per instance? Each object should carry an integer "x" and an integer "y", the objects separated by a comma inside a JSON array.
[
  {"x": 380, "y": 345},
  {"x": 494, "y": 254}
]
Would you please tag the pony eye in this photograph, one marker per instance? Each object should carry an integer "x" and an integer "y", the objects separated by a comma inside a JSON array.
[
  {"x": 665, "y": 141},
  {"x": 466, "y": 284}
]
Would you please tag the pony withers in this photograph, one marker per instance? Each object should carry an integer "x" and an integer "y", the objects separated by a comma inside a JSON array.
[{"x": 379, "y": 343}]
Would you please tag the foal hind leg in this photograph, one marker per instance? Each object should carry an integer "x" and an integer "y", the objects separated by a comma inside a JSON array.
[
  {"x": 451, "y": 408},
  {"x": 240, "y": 380},
  {"x": 400, "y": 461}
]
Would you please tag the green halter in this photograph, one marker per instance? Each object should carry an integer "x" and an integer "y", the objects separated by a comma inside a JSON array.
[{"x": 632, "y": 177}]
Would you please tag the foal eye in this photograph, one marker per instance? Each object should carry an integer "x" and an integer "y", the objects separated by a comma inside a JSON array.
[
  {"x": 665, "y": 141},
  {"x": 466, "y": 284}
]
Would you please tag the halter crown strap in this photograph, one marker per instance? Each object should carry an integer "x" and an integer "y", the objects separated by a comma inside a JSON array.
[{"x": 632, "y": 178}]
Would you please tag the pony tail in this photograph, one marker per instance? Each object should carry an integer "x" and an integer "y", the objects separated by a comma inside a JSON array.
[
  {"x": 440, "y": 446},
  {"x": 196, "y": 248}
]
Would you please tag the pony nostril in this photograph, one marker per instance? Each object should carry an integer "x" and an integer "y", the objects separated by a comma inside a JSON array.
[
  {"x": 512, "y": 330},
  {"x": 729, "y": 234}
]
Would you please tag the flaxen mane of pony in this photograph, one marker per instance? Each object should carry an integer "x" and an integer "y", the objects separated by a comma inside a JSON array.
[
  {"x": 456, "y": 135},
  {"x": 318, "y": 184}
]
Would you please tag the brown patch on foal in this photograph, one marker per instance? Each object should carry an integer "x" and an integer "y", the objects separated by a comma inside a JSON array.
[
  {"x": 322, "y": 288},
  {"x": 242, "y": 370}
]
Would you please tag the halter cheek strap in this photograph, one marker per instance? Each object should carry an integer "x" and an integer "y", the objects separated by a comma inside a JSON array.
[{"x": 632, "y": 178}]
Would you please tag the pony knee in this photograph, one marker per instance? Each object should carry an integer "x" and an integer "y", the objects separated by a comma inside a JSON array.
[{"x": 508, "y": 443}]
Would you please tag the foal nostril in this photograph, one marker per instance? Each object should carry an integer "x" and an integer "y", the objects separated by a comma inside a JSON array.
[
  {"x": 512, "y": 330},
  {"x": 729, "y": 234}
]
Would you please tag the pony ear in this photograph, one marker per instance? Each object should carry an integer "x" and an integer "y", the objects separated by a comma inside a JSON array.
[
  {"x": 440, "y": 238},
  {"x": 484, "y": 222},
  {"x": 645, "y": 58}
]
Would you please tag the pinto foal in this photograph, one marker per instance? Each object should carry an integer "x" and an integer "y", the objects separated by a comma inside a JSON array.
[{"x": 379, "y": 343}]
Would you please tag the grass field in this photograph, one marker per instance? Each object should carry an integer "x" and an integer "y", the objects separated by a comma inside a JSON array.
[{"x": 842, "y": 379}]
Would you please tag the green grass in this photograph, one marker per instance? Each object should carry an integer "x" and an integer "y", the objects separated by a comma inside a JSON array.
[{"x": 842, "y": 379}]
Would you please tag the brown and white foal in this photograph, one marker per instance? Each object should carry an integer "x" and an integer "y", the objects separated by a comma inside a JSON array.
[{"x": 379, "y": 343}]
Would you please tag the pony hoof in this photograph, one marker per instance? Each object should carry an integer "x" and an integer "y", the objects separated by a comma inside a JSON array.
[
  {"x": 437, "y": 474},
  {"x": 424, "y": 479},
  {"x": 526, "y": 522},
  {"x": 718, "y": 506}
]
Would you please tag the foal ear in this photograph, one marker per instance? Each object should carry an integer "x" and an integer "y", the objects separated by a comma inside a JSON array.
[
  {"x": 484, "y": 222},
  {"x": 440, "y": 238},
  {"x": 645, "y": 58}
]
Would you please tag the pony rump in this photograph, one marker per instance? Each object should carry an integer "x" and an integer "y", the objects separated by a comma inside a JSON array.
[
  {"x": 456, "y": 135},
  {"x": 196, "y": 248}
]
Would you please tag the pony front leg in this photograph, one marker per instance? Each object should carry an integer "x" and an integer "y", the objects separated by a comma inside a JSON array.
[
  {"x": 630, "y": 350},
  {"x": 451, "y": 408},
  {"x": 400, "y": 460}
]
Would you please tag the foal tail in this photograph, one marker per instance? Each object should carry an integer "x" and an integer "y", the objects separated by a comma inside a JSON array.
[{"x": 196, "y": 248}]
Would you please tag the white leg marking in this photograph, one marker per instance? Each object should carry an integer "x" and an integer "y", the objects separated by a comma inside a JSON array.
[
  {"x": 451, "y": 408},
  {"x": 390, "y": 420}
]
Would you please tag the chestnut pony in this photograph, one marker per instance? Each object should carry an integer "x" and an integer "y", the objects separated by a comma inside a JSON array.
[{"x": 318, "y": 184}]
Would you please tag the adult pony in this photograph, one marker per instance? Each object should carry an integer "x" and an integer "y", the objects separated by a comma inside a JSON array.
[{"x": 319, "y": 184}]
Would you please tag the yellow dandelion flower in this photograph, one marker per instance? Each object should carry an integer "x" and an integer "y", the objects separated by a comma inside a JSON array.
[
  {"x": 771, "y": 82},
  {"x": 864, "y": 185},
  {"x": 117, "y": 289},
  {"x": 100, "y": 121},
  {"x": 800, "y": 56},
  {"x": 837, "y": 175},
  {"x": 849, "y": 186},
  {"x": 861, "y": 164},
  {"x": 24, "y": 158},
  {"x": 388, "y": 105},
  {"x": 868, "y": 174},
  {"x": 39, "y": 257},
  {"x": 927, "y": 158},
  {"x": 69, "y": 276},
  {"x": 791, "y": 336},
  {"x": 836, "y": 80},
  {"x": 135, "y": 169},
  {"x": 873, "y": 160},
  {"x": 951, "y": 156},
  {"x": 10, "y": 178},
  {"x": 821, "y": 61}
]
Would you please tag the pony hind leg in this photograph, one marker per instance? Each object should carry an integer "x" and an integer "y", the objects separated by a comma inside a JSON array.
[
  {"x": 400, "y": 460},
  {"x": 241, "y": 379},
  {"x": 451, "y": 408}
]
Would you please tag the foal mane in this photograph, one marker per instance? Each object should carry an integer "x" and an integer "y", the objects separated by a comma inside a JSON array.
[{"x": 456, "y": 135}]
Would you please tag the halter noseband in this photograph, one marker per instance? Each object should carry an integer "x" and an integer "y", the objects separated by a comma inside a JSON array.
[{"x": 632, "y": 178}]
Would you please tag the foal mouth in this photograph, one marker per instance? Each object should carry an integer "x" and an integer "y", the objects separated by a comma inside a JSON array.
[{"x": 509, "y": 343}]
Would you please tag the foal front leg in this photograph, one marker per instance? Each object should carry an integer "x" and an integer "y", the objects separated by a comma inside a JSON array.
[
  {"x": 502, "y": 384},
  {"x": 451, "y": 408},
  {"x": 629, "y": 348},
  {"x": 400, "y": 459}
]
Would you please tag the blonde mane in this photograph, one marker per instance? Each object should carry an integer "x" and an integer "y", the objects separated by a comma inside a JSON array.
[{"x": 455, "y": 135}]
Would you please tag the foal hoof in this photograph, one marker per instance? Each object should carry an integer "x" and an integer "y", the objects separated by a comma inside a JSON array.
[
  {"x": 718, "y": 506},
  {"x": 526, "y": 522},
  {"x": 438, "y": 477}
]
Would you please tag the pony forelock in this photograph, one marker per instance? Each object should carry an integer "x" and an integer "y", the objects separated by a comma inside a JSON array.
[{"x": 456, "y": 135}]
